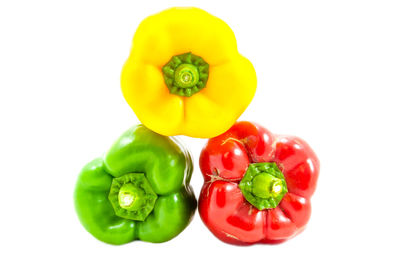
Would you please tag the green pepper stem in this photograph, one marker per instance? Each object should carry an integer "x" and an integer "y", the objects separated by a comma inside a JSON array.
[
  {"x": 185, "y": 74},
  {"x": 132, "y": 197},
  {"x": 127, "y": 196},
  {"x": 263, "y": 185}
]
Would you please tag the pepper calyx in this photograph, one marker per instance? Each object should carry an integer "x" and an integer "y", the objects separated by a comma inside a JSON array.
[
  {"x": 263, "y": 185},
  {"x": 132, "y": 196},
  {"x": 185, "y": 74}
]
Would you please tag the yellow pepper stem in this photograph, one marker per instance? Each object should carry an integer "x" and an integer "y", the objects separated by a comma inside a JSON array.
[{"x": 185, "y": 74}]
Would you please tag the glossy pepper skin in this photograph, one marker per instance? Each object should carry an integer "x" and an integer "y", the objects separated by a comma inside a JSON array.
[
  {"x": 228, "y": 159},
  {"x": 139, "y": 191},
  {"x": 185, "y": 76}
]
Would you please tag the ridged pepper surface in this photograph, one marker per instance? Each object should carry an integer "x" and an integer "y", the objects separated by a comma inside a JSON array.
[
  {"x": 185, "y": 76},
  {"x": 139, "y": 191},
  {"x": 257, "y": 185}
]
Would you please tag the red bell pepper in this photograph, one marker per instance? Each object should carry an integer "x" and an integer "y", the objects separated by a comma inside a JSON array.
[{"x": 257, "y": 185}]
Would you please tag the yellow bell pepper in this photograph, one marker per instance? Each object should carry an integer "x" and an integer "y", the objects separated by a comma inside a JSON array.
[{"x": 184, "y": 75}]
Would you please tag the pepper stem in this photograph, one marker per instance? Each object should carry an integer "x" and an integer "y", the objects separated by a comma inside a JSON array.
[
  {"x": 132, "y": 197},
  {"x": 127, "y": 196},
  {"x": 266, "y": 185},
  {"x": 185, "y": 74},
  {"x": 263, "y": 185}
]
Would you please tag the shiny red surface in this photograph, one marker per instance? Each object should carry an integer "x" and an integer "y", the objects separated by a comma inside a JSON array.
[{"x": 224, "y": 161}]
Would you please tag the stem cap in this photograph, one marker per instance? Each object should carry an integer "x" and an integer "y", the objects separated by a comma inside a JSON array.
[
  {"x": 263, "y": 185},
  {"x": 132, "y": 197},
  {"x": 185, "y": 74}
]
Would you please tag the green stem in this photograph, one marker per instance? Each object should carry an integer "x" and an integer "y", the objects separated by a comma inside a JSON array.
[
  {"x": 128, "y": 196},
  {"x": 266, "y": 185},
  {"x": 185, "y": 74},
  {"x": 132, "y": 197},
  {"x": 263, "y": 185}
]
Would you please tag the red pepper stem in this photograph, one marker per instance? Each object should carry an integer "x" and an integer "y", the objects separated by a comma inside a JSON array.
[
  {"x": 266, "y": 185},
  {"x": 263, "y": 185}
]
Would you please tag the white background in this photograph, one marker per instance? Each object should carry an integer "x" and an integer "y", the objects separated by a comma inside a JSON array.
[{"x": 328, "y": 71}]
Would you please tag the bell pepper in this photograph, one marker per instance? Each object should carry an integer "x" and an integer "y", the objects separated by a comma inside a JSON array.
[
  {"x": 185, "y": 76},
  {"x": 257, "y": 185},
  {"x": 139, "y": 191}
]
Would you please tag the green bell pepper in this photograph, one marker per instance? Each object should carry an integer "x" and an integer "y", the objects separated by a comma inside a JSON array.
[{"x": 139, "y": 191}]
